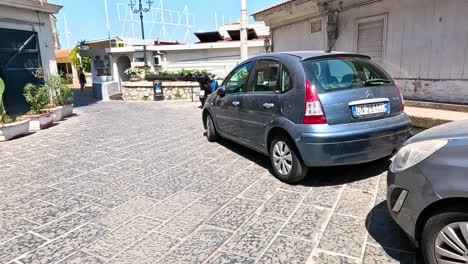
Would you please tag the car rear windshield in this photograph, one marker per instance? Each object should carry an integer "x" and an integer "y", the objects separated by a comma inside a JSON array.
[{"x": 345, "y": 73}]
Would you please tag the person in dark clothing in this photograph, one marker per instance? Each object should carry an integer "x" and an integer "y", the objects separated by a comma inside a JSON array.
[{"x": 82, "y": 78}]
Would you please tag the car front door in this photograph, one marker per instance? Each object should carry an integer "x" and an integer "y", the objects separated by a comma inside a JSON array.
[
  {"x": 260, "y": 102},
  {"x": 228, "y": 99}
]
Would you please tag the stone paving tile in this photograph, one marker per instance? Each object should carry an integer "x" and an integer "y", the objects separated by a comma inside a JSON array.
[
  {"x": 18, "y": 246},
  {"x": 10, "y": 228},
  {"x": 344, "y": 235},
  {"x": 281, "y": 204},
  {"x": 378, "y": 255},
  {"x": 172, "y": 205},
  {"x": 227, "y": 258},
  {"x": 262, "y": 189},
  {"x": 253, "y": 238},
  {"x": 42, "y": 212},
  {"x": 235, "y": 214},
  {"x": 287, "y": 250},
  {"x": 324, "y": 258},
  {"x": 188, "y": 220},
  {"x": 71, "y": 221},
  {"x": 147, "y": 251},
  {"x": 355, "y": 203},
  {"x": 125, "y": 212},
  {"x": 66, "y": 245},
  {"x": 306, "y": 223},
  {"x": 224, "y": 193},
  {"x": 323, "y": 196},
  {"x": 198, "y": 246},
  {"x": 116, "y": 241},
  {"x": 81, "y": 257}
]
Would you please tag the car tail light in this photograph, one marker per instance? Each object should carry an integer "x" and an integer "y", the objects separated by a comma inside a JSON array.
[
  {"x": 313, "y": 111},
  {"x": 401, "y": 95}
]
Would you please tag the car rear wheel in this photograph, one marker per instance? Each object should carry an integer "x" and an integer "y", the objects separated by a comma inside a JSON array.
[
  {"x": 445, "y": 238},
  {"x": 286, "y": 163},
  {"x": 210, "y": 129}
]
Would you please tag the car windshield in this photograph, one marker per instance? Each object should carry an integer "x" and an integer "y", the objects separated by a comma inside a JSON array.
[{"x": 345, "y": 73}]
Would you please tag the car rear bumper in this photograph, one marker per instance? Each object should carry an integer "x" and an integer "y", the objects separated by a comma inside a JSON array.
[{"x": 352, "y": 143}]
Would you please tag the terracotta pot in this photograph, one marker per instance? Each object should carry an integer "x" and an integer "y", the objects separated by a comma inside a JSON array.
[
  {"x": 12, "y": 130},
  {"x": 39, "y": 121}
]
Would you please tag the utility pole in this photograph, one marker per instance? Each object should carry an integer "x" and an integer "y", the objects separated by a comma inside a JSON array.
[{"x": 243, "y": 31}]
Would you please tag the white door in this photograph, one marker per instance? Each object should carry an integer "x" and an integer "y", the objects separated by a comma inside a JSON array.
[{"x": 370, "y": 39}]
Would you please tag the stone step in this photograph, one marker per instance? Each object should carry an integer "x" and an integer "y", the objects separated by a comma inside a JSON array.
[
  {"x": 116, "y": 97},
  {"x": 426, "y": 117},
  {"x": 439, "y": 106}
]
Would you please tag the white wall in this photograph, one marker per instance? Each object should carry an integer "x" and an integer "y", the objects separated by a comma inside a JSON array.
[
  {"x": 44, "y": 32},
  {"x": 297, "y": 36},
  {"x": 426, "y": 40}
]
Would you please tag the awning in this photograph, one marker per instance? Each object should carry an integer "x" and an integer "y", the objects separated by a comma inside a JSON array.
[
  {"x": 235, "y": 34},
  {"x": 62, "y": 56},
  {"x": 211, "y": 36}
]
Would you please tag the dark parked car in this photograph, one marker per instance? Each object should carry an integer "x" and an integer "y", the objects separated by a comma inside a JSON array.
[
  {"x": 309, "y": 109},
  {"x": 428, "y": 192}
]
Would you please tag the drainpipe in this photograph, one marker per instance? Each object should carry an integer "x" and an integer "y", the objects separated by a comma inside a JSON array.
[{"x": 243, "y": 31}]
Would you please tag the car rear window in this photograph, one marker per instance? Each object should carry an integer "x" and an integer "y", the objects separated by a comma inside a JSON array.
[{"x": 345, "y": 73}]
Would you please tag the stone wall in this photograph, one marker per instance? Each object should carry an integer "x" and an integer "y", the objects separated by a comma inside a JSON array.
[{"x": 144, "y": 91}]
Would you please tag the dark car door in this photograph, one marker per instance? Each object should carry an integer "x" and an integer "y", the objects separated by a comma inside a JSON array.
[
  {"x": 260, "y": 102},
  {"x": 226, "y": 106}
]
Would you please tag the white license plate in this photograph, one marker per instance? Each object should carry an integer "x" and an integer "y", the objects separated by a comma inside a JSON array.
[
  {"x": 202, "y": 93},
  {"x": 370, "y": 109}
]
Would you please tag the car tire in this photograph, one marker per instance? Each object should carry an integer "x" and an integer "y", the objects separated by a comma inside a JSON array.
[
  {"x": 211, "y": 134},
  {"x": 432, "y": 229},
  {"x": 287, "y": 156}
]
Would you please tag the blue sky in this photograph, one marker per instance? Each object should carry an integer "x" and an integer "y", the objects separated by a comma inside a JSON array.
[{"x": 86, "y": 18}]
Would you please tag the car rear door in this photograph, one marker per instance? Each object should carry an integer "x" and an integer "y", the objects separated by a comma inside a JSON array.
[
  {"x": 226, "y": 107},
  {"x": 353, "y": 89},
  {"x": 260, "y": 102}
]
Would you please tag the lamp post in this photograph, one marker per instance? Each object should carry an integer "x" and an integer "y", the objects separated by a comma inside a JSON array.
[{"x": 140, "y": 10}]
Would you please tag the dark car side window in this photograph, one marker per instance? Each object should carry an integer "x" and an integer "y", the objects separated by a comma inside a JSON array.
[
  {"x": 236, "y": 82},
  {"x": 266, "y": 77}
]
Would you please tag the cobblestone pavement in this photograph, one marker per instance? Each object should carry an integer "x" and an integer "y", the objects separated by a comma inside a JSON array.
[{"x": 139, "y": 183}]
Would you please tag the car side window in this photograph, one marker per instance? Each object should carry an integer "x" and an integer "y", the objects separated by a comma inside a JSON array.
[
  {"x": 266, "y": 77},
  {"x": 286, "y": 83},
  {"x": 239, "y": 77}
]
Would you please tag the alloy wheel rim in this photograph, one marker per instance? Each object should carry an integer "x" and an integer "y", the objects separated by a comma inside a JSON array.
[
  {"x": 451, "y": 245},
  {"x": 282, "y": 158}
]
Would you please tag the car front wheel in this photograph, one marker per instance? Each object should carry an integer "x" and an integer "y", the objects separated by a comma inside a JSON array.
[
  {"x": 286, "y": 163},
  {"x": 210, "y": 129},
  {"x": 445, "y": 238}
]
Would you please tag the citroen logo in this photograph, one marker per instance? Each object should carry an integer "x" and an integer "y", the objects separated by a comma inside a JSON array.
[{"x": 369, "y": 94}]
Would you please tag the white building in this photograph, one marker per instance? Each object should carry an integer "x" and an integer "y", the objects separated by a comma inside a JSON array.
[
  {"x": 26, "y": 44},
  {"x": 422, "y": 44},
  {"x": 217, "y": 52}
]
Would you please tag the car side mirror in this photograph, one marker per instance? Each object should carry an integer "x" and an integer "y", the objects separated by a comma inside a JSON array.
[{"x": 221, "y": 91}]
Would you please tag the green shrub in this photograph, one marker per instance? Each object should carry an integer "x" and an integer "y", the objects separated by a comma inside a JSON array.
[
  {"x": 36, "y": 96},
  {"x": 2, "y": 107}
]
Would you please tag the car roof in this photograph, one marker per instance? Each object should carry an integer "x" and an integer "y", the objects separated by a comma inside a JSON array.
[{"x": 312, "y": 54}]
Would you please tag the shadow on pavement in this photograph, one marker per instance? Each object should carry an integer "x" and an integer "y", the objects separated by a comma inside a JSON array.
[
  {"x": 385, "y": 232},
  {"x": 83, "y": 100},
  {"x": 317, "y": 176}
]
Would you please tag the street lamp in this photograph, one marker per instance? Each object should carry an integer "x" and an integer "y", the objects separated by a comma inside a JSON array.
[{"x": 140, "y": 10}]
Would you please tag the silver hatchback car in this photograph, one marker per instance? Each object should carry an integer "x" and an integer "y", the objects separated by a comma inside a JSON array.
[
  {"x": 428, "y": 192},
  {"x": 309, "y": 109}
]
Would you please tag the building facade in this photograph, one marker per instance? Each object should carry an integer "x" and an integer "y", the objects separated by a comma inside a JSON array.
[
  {"x": 26, "y": 44},
  {"x": 422, "y": 44}
]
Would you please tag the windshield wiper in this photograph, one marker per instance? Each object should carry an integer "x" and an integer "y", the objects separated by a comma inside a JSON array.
[{"x": 376, "y": 82}]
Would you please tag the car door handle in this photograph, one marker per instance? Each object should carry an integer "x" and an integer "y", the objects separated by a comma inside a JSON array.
[
  {"x": 235, "y": 103},
  {"x": 268, "y": 105}
]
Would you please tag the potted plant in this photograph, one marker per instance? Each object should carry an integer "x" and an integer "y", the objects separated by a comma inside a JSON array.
[
  {"x": 62, "y": 97},
  {"x": 134, "y": 74},
  {"x": 10, "y": 127},
  {"x": 37, "y": 97}
]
